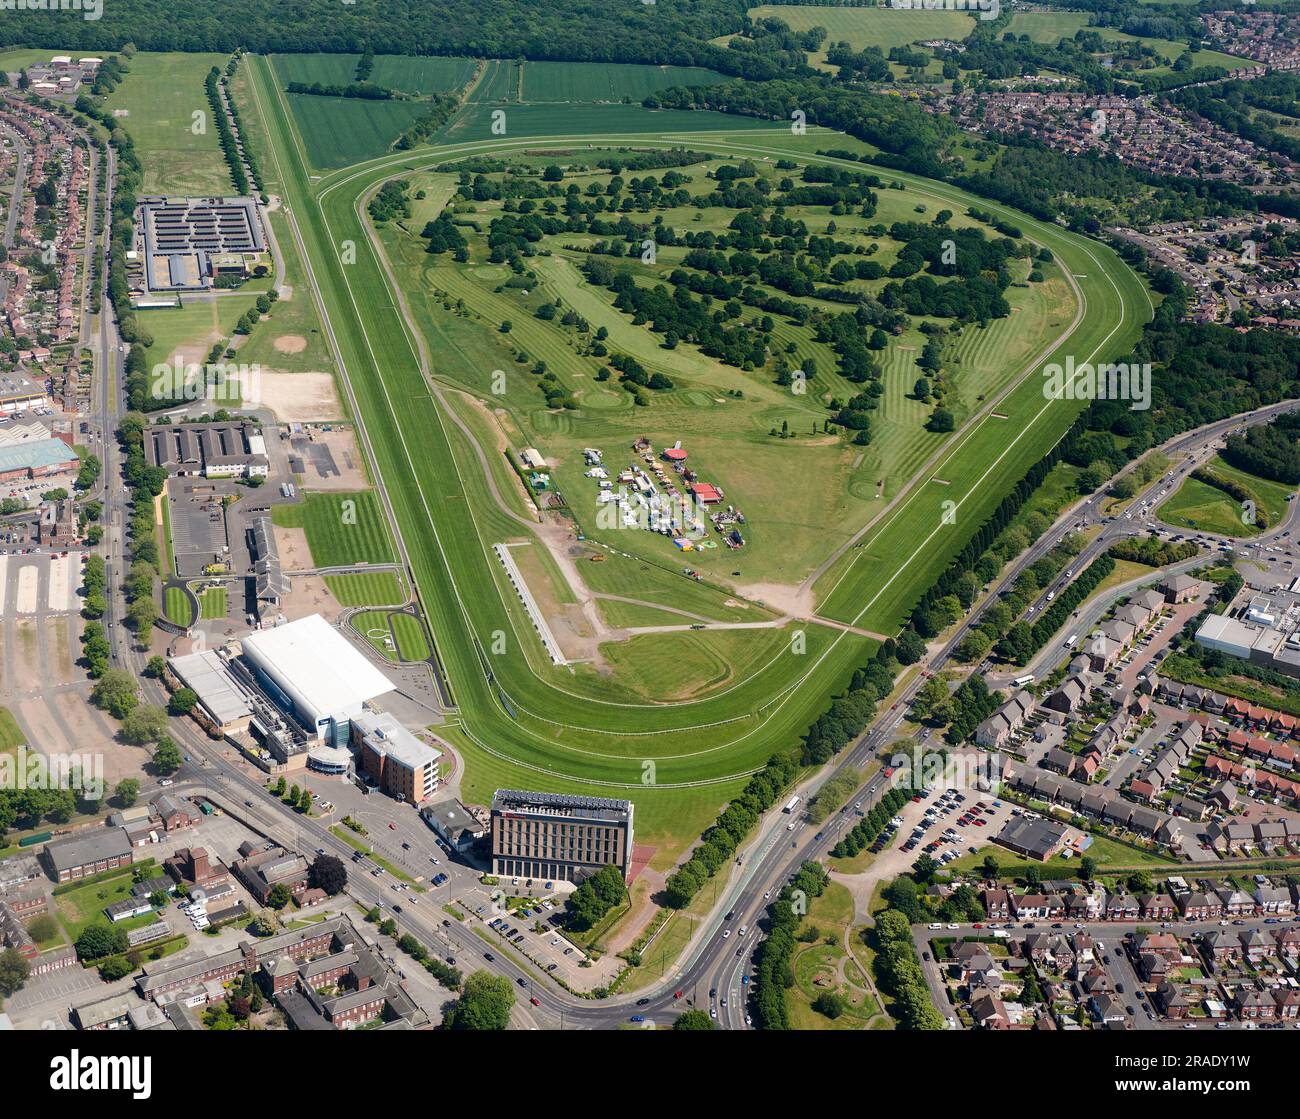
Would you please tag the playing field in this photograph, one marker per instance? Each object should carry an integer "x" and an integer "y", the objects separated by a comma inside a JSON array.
[
  {"x": 163, "y": 105},
  {"x": 526, "y": 722},
  {"x": 187, "y": 333},
  {"x": 342, "y": 528}
]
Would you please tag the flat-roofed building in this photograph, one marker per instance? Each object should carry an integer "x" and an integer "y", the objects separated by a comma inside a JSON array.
[
  {"x": 223, "y": 704},
  {"x": 390, "y": 755},
  {"x": 18, "y": 392},
  {"x": 38, "y": 459},
  {"x": 188, "y": 242},
  {"x": 555, "y": 836},
  {"x": 1257, "y": 644},
  {"x": 313, "y": 672}
]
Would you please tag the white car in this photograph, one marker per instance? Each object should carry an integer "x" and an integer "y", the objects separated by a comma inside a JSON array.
[{"x": 726, "y": 933}]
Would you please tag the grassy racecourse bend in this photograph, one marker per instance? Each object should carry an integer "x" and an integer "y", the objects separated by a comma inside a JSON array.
[{"x": 521, "y": 722}]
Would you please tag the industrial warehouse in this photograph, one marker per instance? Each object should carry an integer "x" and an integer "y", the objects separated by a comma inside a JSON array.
[{"x": 1260, "y": 627}]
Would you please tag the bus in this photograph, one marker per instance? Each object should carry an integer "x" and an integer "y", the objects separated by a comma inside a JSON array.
[
  {"x": 1022, "y": 681},
  {"x": 794, "y": 803},
  {"x": 1072, "y": 641}
]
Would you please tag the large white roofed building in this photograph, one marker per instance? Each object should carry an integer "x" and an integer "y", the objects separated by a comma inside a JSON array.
[{"x": 312, "y": 671}]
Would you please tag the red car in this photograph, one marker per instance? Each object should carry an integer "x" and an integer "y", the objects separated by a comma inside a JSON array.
[
  {"x": 677, "y": 994},
  {"x": 392, "y": 827},
  {"x": 534, "y": 1001}
]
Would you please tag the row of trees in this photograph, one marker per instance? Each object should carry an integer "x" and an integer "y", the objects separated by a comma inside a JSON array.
[
  {"x": 719, "y": 842},
  {"x": 865, "y": 831},
  {"x": 898, "y": 971},
  {"x": 367, "y": 91},
  {"x": 1024, "y": 639},
  {"x": 774, "y": 974},
  {"x": 250, "y": 157},
  {"x": 225, "y": 134}
]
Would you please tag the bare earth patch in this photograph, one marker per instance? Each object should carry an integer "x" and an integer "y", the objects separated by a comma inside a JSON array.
[
  {"x": 308, "y": 594},
  {"x": 781, "y": 597},
  {"x": 300, "y": 397},
  {"x": 292, "y": 546},
  {"x": 290, "y": 344}
]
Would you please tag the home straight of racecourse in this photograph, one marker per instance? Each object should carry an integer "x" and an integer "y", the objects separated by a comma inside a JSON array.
[{"x": 651, "y": 516}]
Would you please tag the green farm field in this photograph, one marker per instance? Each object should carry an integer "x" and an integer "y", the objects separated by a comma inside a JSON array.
[
  {"x": 409, "y": 73},
  {"x": 557, "y": 98},
  {"x": 606, "y": 81},
  {"x": 518, "y": 723}
]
